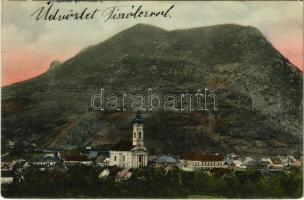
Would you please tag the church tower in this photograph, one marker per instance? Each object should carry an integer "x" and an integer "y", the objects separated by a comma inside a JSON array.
[
  {"x": 139, "y": 151},
  {"x": 138, "y": 131}
]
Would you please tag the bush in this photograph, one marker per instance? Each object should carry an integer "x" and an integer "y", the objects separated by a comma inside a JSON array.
[{"x": 83, "y": 182}]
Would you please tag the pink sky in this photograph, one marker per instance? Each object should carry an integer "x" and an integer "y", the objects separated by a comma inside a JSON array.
[
  {"x": 291, "y": 46},
  {"x": 23, "y": 64},
  {"x": 292, "y": 50}
]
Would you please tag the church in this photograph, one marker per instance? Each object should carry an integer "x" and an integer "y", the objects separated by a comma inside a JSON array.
[{"x": 127, "y": 154}]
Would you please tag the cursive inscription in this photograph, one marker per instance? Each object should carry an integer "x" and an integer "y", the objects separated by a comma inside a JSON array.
[
  {"x": 116, "y": 12},
  {"x": 50, "y": 12}
]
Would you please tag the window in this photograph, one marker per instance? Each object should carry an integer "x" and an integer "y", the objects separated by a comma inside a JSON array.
[
  {"x": 134, "y": 134},
  {"x": 115, "y": 158},
  {"x": 139, "y": 158},
  {"x": 139, "y": 135}
]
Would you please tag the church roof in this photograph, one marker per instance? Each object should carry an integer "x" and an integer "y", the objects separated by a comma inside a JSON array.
[
  {"x": 123, "y": 146},
  {"x": 138, "y": 118}
]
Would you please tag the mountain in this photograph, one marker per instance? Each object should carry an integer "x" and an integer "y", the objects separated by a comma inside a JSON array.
[{"x": 259, "y": 93}]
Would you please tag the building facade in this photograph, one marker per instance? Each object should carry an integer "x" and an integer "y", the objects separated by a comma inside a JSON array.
[
  {"x": 127, "y": 154},
  {"x": 199, "y": 161}
]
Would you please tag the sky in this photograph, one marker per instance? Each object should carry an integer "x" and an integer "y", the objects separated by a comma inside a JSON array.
[{"x": 29, "y": 46}]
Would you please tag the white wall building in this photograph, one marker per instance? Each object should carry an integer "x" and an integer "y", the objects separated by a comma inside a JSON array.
[
  {"x": 127, "y": 154},
  {"x": 196, "y": 161}
]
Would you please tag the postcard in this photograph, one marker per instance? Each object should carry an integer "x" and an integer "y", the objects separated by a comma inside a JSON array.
[{"x": 152, "y": 99}]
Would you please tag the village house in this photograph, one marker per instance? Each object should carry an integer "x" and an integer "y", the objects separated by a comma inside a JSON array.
[
  {"x": 194, "y": 161},
  {"x": 164, "y": 160},
  {"x": 102, "y": 161},
  {"x": 241, "y": 162},
  {"x": 123, "y": 175},
  {"x": 256, "y": 163},
  {"x": 297, "y": 163},
  {"x": 71, "y": 159},
  {"x": 126, "y": 154},
  {"x": 47, "y": 161},
  {"x": 7, "y": 172},
  {"x": 277, "y": 163},
  {"x": 104, "y": 174}
]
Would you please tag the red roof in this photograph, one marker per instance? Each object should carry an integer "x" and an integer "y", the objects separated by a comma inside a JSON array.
[
  {"x": 74, "y": 157},
  {"x": 200, "y": 157},
  {"x": 276, "y": 161}
]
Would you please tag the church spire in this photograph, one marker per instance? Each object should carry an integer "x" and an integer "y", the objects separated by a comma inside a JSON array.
[{"x": 138, "y": 118}]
